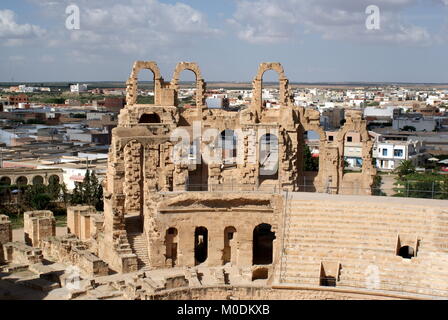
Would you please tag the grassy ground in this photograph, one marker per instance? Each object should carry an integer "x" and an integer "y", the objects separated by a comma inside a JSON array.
[{"x": 17, "y": 221}]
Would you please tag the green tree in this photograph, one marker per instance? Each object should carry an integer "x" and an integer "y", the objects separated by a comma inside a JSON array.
[
  {"x": 89, "y": 192},
  {"x": 405, "y": 168},
  {"x": 310, "y": 163}
]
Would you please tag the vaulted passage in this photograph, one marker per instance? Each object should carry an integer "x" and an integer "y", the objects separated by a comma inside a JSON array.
[
  {"x": 171, "y": 247},
  {"x": 229, "y": 236},
  {"x": 200, "y": 245},
  {"x": 263, "y": 239},
  {"x": 149, "y": 118}
]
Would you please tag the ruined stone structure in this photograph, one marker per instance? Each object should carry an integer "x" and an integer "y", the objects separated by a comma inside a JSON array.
[
  {"x": 143, "y": 173},
  {"x": 5, "y": 235},
  {"x": 38, "y": 225},
  {"x": 193, "y": 214}
]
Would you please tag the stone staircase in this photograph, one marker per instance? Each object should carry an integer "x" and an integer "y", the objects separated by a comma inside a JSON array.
[
  {"x": 362, "y": 239},
  {"x": 137, "y": 240}
]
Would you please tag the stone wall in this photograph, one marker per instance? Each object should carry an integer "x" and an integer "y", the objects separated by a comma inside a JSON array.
[
  {"x": 19, "y": 253},
  {"x": 5, "y": 235},
  {"x": 83, "y": 221},
  {"x": 70, "y": 250},
  {"x": 38, "y": 225}
]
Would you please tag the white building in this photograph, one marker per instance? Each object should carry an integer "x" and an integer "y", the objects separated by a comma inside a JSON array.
[
  {"x": 389, "y": 154},
  {"x": 77, "y": 88}
]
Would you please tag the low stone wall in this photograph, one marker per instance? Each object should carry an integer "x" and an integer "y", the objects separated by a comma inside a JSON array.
[
  {"x": 70, "y": 250},
  {"x": 19, "y": 253},
  {"x": 38, "y": 225},
  {"x": 5, "y": 235},
  {"x": 263, "y": 293},
  {"x": 83, "y": 221}
]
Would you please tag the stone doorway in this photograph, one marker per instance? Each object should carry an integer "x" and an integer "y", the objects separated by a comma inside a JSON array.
[{"x": 263, "y": 247}]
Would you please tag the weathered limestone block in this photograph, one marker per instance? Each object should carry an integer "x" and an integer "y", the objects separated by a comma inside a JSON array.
[
  {"x": 19, "y": 253},
  {"x": 5, "y": 230},
  {"x": 5, "y": 235},
  {"x": 38, "y": 225},
  {"x": 81, "y": 221},
  {"x": 70, "y": 250}
]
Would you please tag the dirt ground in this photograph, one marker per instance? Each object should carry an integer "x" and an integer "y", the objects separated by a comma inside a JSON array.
[{"x": 19, "y": 236}]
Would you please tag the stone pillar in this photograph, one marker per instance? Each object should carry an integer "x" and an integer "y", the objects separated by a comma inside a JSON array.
[
  {"x": 5, "y": 235},
  {"x": 38, "y": 225}
]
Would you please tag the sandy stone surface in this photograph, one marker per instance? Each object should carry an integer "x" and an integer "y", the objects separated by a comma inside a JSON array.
[{"x": 18, "y": 234}]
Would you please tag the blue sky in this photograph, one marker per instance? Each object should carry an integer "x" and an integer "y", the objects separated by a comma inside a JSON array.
[{"x": 315, "y": 40}]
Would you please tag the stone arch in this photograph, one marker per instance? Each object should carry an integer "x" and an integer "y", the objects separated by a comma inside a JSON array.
[
  {"x": 200, "y": 83},
  {"x": 38, "y": 180},
  {"x": 268, "y": 159},
  {"x": 54, "y": 179},
  {"x": 22, "y": 181},
  {"x": 171, "y": 245},
  {"x": 132, "y": 83},
  {"x": 257, "y": 85},
  {"x": 200, "y": 245},
  {"x": 228, "y": 143},
  {"x": 229, "y": 248},
  {"x": 5, "y": 181},
  {"x": 356, "y": 124},
  {"x": 263, "y": 245},
  {"x": 149, "y": 118}
]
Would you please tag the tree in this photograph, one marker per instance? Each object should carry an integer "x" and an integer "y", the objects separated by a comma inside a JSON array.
[
  {"x": 409, "y": 128},
  {"x": 37, "y": 197},
  {"x": 405, "y": 168},
  {"x": 88, "y": 192},
  {"x": 310, "y": 163}
]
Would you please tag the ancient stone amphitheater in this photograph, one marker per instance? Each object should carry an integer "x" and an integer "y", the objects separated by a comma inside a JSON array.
[{"x": 192, "y": 214}]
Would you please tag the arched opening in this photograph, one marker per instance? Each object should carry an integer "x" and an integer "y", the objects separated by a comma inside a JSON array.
[
  {"x": 268, "y": 158},
  {"x": 260, "y": 274},
  {"x": 38, "y": 180},
  {"x": 171, "y": 247},
  {"x": 228, "y": 144},
  {"x": 146, "y": 89},
  {"x": 54, "y": 179},
  {"x": 22, "y": 181},
  {"x": 5, "y": 181},
  {"x": 270, "y": 92},
  {"x": 198, "y": 169},
  {"x": 263, "y": 246},
  {"x": 229, "y": 239},
  {"x": 311, "y": 155},
  {"x": 352, "y": 152},
  {"x": 406, "y": 252},
  {"x": 187, "y": 92},
  {"x": 200, "y": 245},
  {"x": 149, "y": 118}
]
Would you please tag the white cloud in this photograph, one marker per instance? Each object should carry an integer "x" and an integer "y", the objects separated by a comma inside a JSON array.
[
  {"x": 136, "y": 26},
  {"x": 264, "y": 21},
  {"x": 12, "y": 32}
]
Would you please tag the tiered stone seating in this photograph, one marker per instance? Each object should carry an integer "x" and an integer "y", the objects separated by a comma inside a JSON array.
[{"x": 363, "y": 236}]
